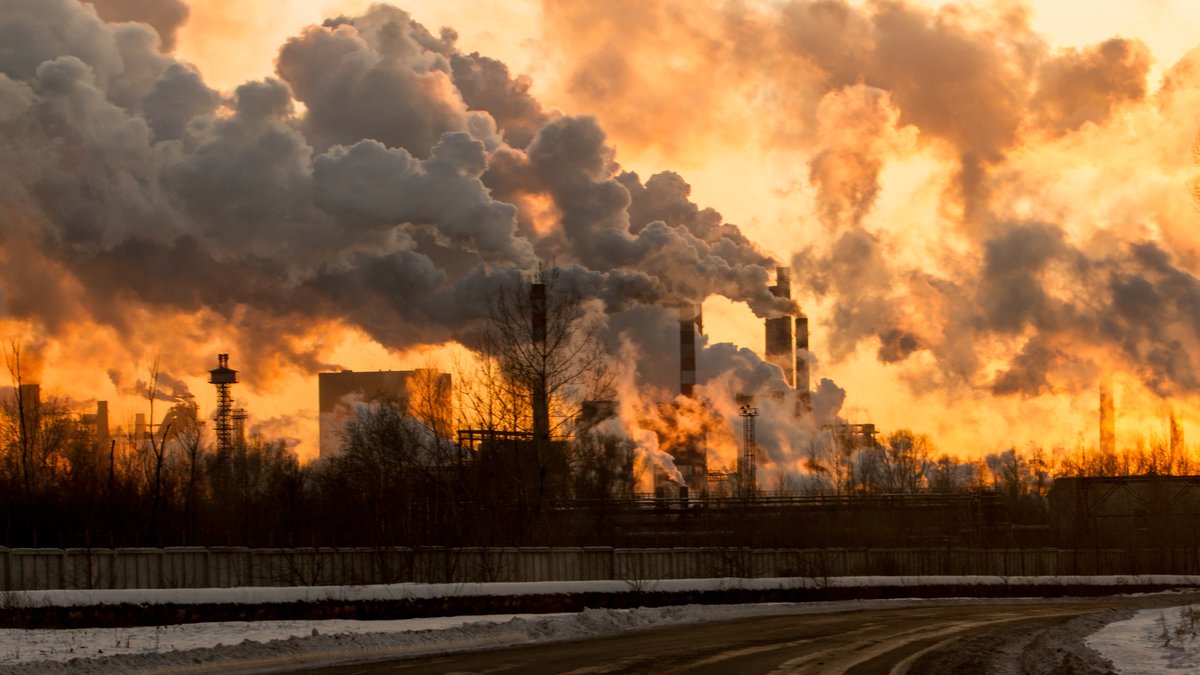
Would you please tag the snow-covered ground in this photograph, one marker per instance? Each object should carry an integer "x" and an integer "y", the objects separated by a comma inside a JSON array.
[
  {"x": 231, "y": 646},
  {"x": 261, "y": 595},
  {"x": 1152, "y": 641},
  {"x": 261, "y": 645}
]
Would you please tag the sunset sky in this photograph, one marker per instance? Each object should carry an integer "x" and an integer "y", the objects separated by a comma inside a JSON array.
[{"x": 987, "y": 207}]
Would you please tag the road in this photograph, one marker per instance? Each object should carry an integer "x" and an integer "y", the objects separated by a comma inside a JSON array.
[{"x": 889, "y": 641}]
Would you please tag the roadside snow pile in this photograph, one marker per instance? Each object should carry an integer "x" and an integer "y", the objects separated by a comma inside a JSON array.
[
  {"x": 264, "y": 595},
  {"x": 19, "y": 646},
  {"x": 1152, "y": 641},
  {"x": 281, "y": 645}
]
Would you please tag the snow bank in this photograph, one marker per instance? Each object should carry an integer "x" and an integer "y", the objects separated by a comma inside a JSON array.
[
  {"x": 1152, "y": 641},
  {"x": 268, "y": 645},
  {"x": 265, "y": 595}
]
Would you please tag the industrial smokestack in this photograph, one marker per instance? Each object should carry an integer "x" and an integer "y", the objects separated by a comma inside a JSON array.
[
  {"x": 780, "y": 349},
  {"x": 29, "y": 409},
  {"x": 29, "y": 400},
  {"x": 1176, "y": 431},
  {"x": 691, "y": 324},
  {"x": 1108, "y": 434},
  {"x": 539, "y": 391},
  {"x": 803, "y": 386},
  {"x": 102, "y": 432}
]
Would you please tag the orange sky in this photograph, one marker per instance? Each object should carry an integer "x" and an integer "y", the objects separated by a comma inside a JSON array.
[{"x": 763, "y": 186}]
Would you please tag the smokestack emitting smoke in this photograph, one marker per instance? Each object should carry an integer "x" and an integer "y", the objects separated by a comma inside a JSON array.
[
  {"x": 780, "y": 348},
  {"x": 691, "y": 324},
  {"x": 803, "y": 386},
  {"x": 540, "y": 394},
  {"x": 1108, "y": 419},
  {"x": 413, "y": 178},
  {"x": 413, "y": 166},
  {"x": 959, "y": 242},
  {"x": 1175, "y": 432}
]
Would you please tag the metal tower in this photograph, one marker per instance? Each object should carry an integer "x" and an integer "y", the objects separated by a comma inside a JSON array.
[
  {"x": 746, "y": 463},
  {"x": 224, "y": 379}
]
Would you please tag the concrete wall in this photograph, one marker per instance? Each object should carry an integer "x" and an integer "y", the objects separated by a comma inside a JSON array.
[{"x": 41, "y": 569}]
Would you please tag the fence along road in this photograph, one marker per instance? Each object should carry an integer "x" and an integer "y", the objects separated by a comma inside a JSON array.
[{"x": 51, "y": 569}]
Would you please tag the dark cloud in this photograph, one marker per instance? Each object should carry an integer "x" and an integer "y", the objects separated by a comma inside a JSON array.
[
  {"x": 165, "y": 16},
  {"x": 373, "y": 78},
  {"x": 396, "y": 202},
  {"x": 485, "y": 84},
  {"x": 1081, "y": 86}
]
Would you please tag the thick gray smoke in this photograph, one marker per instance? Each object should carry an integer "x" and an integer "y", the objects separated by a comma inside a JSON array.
[
  {"x": 165, "y": 16},
  {"x": 1002, "y": 299},
  {"x": 979, "y": 89},
  {"x": 394, "y": 203}
]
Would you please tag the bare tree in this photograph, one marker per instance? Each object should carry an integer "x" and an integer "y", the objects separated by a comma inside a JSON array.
[
  {"x": 541, "y": 344},
  {"x": 157, "y": 445},
  {"x": 191, "y": 441},
  {"x": 907, "y": 458},
  {"x": 25, "y": 416}
]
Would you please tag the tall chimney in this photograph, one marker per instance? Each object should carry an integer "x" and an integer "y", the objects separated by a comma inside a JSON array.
[
  {"x": 539, "y": 389},
  {"x": 102, "y": 432},
  {"x": 691, "y": 324},
  {"x": 1176, "y": 436},
  {"x": 29, "y": 409},
  {"x": 1108, "y": 434},
  {"x": 803, "y": 386},
  {"x": 780, "y": 349},
  {"x": 30, "y": 399}
]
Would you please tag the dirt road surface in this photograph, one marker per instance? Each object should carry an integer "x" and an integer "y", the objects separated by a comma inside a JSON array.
[{"x": 1018, "y": 637}]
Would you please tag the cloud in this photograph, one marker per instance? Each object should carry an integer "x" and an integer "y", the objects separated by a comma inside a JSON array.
[
  {"x": 380, "y": 205},
  {"x": 165, "y": 16}
]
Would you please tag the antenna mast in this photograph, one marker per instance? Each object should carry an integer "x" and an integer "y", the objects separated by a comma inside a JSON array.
[
  {"x": 224, "y": 379},
  {"x": 746, "y": 463}
]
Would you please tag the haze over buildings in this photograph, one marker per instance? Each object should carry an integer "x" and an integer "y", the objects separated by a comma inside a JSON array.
[{"x": 411, "y": 390}]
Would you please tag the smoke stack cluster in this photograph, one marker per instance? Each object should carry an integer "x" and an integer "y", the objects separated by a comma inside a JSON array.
[{"x": 787, "y": 350}]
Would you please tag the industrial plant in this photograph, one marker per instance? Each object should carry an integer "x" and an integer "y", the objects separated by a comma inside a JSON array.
[{"x": 538, "y": 472}]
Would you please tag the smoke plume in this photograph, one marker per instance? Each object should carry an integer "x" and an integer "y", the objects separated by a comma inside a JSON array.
[
  {"x": 142, "y": 204},
  {"x": 981, "y": 214}
]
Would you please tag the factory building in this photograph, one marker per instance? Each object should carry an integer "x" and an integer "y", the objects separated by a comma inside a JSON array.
[
  {"x": 688, "y": 450},
  {"x": 786, "y": 347},
  {"x": 97, "y": 426},
  {"x": 341, "y": 391}
]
